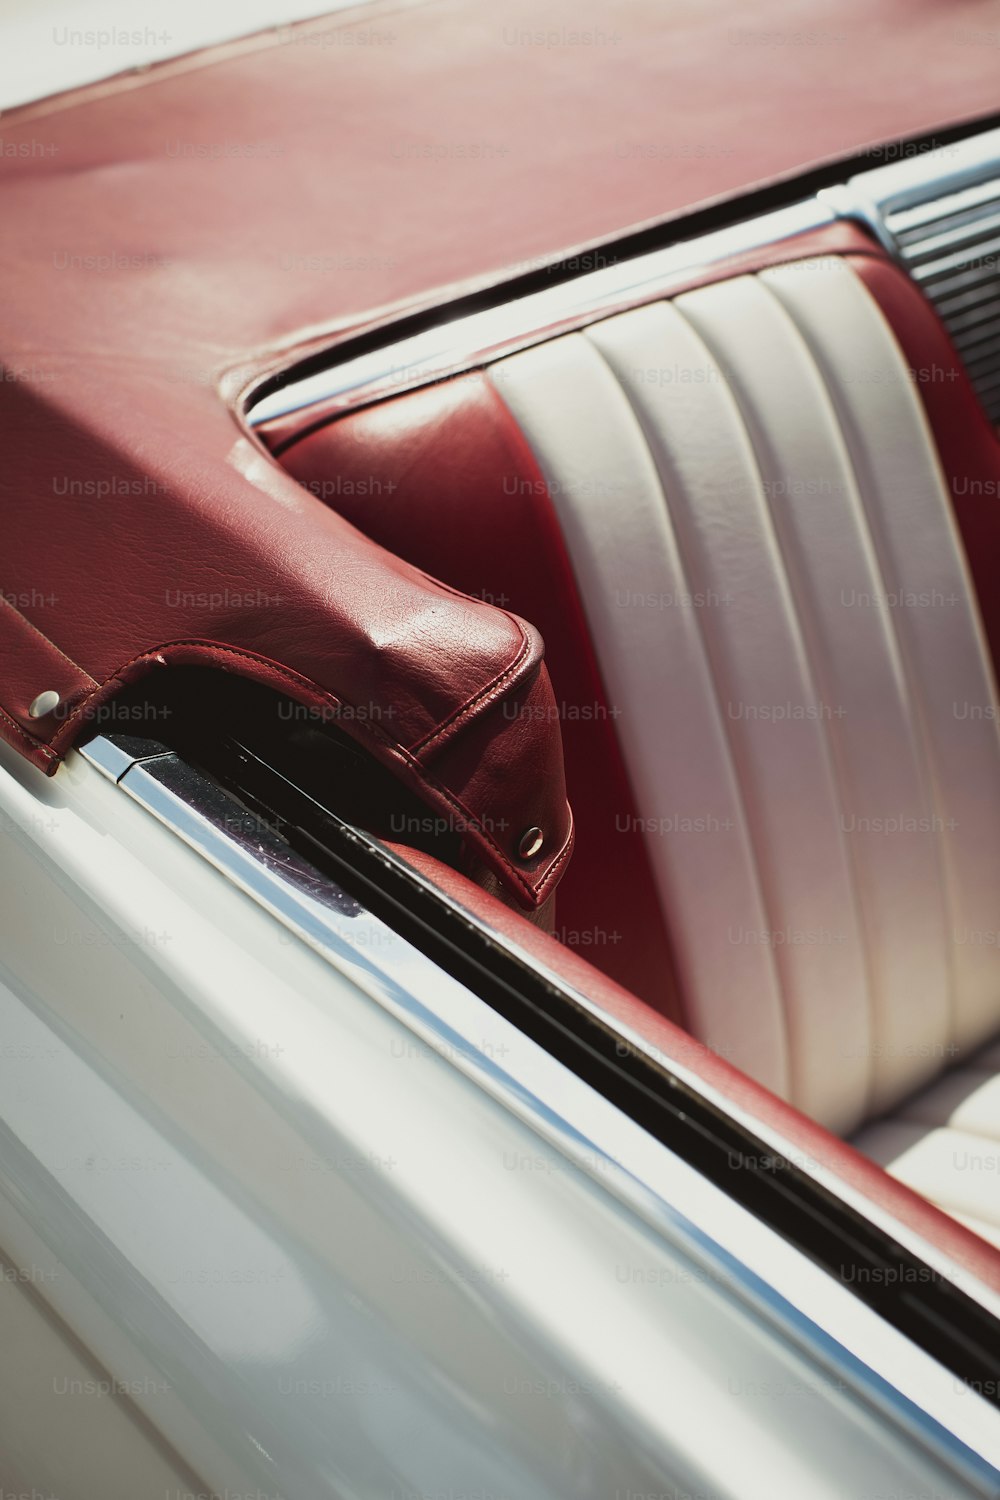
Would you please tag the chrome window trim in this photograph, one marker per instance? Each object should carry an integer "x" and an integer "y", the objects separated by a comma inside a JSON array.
[
  {"x": 481, "y": 337},
  {"x": 869, "y": 198},
  {"x": 881, "y": 1366},
  {"x": 948, "y": 169},
  {"x": 939, "y": 215},
  {"x": 876, "y": 197}
]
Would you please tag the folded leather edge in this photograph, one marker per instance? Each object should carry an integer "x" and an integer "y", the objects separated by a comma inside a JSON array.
[
  {"x": 35, "y": 665},
  {"x": 476, "y": 807}
]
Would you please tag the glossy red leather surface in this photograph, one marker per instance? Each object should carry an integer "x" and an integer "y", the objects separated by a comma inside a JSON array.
[
  {"x": 444, "y": 477},
  {"x": 199, "y": 564}
]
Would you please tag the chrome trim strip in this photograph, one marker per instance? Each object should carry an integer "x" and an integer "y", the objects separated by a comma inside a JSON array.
[
  {"x": 481, "y": 337},
  {"x": 114, "y": 755},
  {"x": 848, "y": 201},
  {"x": 900, "y": 185},
  {"x": 938, "y": 214},
  {"x": 869, "y": 198},
  {"x": 882, "y": 1368},
  {"x": 887, "y": 199}
]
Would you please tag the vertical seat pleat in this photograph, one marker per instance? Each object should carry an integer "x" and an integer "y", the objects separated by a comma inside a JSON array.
[
  {"x": 658, "y": 678},
  {"x": 951, "y": 682},
  {"x": 774, "y": 715},
  {"x": 886, "y": 809}
]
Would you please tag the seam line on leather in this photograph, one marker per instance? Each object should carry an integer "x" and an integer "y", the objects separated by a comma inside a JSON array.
[
  {"x": 64, "y": 737},
  {"x": 478, "y": 700},
  {"x": 29, "y": 740},
  {"x": 51, "y": 644}
]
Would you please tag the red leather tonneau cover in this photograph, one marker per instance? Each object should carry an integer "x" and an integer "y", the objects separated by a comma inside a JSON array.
[{"x": 164, "y": 236}]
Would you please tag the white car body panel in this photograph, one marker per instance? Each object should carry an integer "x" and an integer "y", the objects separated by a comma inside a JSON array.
[{"x": 326, "y": 1257}]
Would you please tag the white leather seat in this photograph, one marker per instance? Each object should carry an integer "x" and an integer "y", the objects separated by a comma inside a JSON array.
[
  {"x": 755, "y": 512},
  {"x": 945, "y": 1143}
]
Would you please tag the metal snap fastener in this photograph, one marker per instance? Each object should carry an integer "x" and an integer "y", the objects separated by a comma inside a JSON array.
[
  {"x": 531, "y": 841},
  {"x": 43, "y": 704}
]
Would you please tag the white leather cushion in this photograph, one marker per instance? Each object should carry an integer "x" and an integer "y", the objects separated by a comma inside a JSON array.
[{"x": 765, "y": 551}]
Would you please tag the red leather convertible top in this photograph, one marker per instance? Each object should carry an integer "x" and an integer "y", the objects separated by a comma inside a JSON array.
[{"x": 164, "y": 237}]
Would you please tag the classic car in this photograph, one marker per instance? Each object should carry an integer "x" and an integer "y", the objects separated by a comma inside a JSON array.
[{"x": 500, "y": 766}]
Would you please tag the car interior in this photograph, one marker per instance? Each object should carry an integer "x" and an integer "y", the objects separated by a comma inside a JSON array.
[
  {"x": 641, "y": 601},
  {"x": 747, "y": 518}
]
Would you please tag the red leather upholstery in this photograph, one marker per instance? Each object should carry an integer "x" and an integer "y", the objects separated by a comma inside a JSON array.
[
  {"x": 414, "y": 442},
  {"x": 444, "y": 478},
  {"x": 32, "y": 664},
  {"x": 200, "y": 565}
]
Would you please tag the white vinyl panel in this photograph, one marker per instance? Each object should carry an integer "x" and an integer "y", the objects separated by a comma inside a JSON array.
[
  {"x": 885, "y": 814},
  {"x": 647, "y": 630},
  {"x": 937, "y": 624},
  {"x": 774, "y": 716}
]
